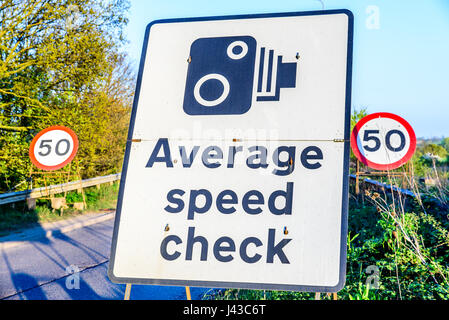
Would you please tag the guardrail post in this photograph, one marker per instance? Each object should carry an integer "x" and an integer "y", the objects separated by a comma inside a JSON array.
[
  {"x": 31, "y": 203},
  {"x": 81, "y": 184}
]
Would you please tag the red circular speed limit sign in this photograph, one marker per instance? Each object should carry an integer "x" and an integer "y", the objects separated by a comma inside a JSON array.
[
  {"x": 383, "y": 141},
  {"x": 53, "y": 148}
]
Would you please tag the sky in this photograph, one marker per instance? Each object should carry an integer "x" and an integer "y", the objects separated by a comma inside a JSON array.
[{"x": 401, "y": 49}]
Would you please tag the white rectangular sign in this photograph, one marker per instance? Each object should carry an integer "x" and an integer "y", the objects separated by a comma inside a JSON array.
[{"x": 236, "y": 166}]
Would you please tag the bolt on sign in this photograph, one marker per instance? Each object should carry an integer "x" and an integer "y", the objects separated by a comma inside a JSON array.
[{"x": 236, "y": 167}]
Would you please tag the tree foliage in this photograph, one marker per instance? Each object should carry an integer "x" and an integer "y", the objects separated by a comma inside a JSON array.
[
  {"x": 357, "y": 115},
  {"x": 435, "y": 150},
  {"x": 61, "y": 63},
  {"x": 445, "y": 144}
]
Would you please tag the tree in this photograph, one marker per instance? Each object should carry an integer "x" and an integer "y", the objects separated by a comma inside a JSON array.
[
  {"x": 434, "y": 150},
  {"x": 356, "y": 116},
  {"x": 57, "y": 62}
]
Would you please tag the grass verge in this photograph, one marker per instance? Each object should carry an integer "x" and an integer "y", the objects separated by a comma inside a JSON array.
[
  {"x": 393, "y": 253},
  {"x": 15, "y": 217}
]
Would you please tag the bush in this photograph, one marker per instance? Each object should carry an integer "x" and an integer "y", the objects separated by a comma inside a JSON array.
[{"x": 392, "y": 254}]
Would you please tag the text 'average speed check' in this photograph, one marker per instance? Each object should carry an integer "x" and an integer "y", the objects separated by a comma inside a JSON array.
[{"x": 253, "y": 202}]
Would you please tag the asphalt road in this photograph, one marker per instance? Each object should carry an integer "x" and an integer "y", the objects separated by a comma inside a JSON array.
[{"x": 73, "y": 266}]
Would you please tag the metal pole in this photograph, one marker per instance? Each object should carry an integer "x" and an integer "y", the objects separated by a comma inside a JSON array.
[
  {"x": 127, "y": 291},
  {"x": 189, "y": 297}
]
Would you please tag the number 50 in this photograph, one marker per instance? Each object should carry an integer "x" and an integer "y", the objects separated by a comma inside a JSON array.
[
  {"x": 370, "y": 135},
  {"x": 46, "y": 144}
]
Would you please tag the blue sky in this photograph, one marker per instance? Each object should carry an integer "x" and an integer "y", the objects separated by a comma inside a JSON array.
[{"x": 401, "y": 49}]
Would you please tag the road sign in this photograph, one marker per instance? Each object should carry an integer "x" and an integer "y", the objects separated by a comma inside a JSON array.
[
  {"x": 236, "y": 166},
  {"x": 53, "y": 148},
  {"x": 383, "y": 141}
]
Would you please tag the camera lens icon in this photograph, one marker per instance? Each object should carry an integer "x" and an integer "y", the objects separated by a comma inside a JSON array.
[
  {"x": 220, "y": 99},
  {"x": 221, "y": 73},
  {"x": 240, "y": 45}
]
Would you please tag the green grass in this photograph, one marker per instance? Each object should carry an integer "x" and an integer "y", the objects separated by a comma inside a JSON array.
[{"x": 15, "y": 217}]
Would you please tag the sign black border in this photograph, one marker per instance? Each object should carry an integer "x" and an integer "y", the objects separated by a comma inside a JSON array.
[{"x": 345, "y": 192}]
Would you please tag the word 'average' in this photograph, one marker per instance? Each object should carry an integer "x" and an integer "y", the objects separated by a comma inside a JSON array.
[{"x": 212, "y": 157}]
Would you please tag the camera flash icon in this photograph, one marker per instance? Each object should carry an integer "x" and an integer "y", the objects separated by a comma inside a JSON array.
[{"x": 221, "y": 71}]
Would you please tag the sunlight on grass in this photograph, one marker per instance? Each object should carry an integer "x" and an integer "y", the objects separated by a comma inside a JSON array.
[{"x": 15, "y": 217}]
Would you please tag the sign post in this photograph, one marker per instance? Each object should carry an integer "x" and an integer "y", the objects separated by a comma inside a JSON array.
[
  {"x": 382, "y": 141},
  {"x": 52, "y": 149},
  {"x": 237, "y": 161}
]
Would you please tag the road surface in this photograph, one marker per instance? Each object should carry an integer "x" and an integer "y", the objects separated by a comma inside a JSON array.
[{"x": 72, "y": 266}]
